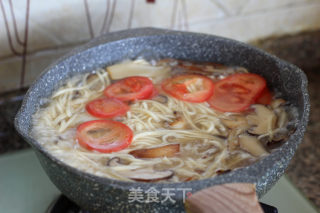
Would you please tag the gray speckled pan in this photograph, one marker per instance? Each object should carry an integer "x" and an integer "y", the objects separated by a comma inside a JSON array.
[{"x": 105, "y": 195}]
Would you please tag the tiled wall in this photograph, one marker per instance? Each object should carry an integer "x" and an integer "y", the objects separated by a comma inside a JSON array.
[{"x": 35, "y": 32}]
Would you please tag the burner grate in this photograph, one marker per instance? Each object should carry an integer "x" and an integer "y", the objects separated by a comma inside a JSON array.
[{"x": 64, "y": 205}]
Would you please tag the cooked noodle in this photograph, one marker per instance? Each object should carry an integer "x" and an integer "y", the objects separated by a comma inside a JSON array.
[{"x": 203, "y": 145}]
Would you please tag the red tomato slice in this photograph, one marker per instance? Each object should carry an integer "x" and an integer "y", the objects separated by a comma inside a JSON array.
[
  {"x": 265, "y": 97},
  {"x": 237, "y": 92},
  {"x": 178, "y": 87},
  {"x": 131, "y": 88},
  {"x": 104, "y": 135},
  {"x": 107, "y": 107}
]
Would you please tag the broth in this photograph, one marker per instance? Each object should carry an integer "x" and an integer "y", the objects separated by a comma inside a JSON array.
[{"x": 174, "y": 139}]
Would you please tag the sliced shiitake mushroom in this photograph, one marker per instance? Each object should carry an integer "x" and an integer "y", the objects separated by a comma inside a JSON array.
[
  {"x": 235, "y": 121},
  {"x": 92, "y": 78},
  {"x": 76, "y": 94},
  {"x": 116, "y": 161},
  {"x": 178, "y": 123},
  {"x": 264, "y": 139},
  {"x": 280, "y": 134},
  {"x": 166, "y": 62},
  {"x": 157, "y": 152},
  {"x": 222, "y": 171},
  {"x": 291, "y": 126},
  {"x": 282, "y": 117},
  {"x": 148, "y": 175},
  {"x": 277, "y": 103},
  {"x": 263, "y": 121},
  {"x": 252, "y": 145},
  {"x": 233, "y": 141},
  {"x": 161, "y": 99}
]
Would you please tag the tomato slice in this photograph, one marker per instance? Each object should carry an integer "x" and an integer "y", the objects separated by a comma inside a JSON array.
[
  {"x": 131, "y": 88},
  {"x": 237, "y": 92},
  {"x": 191, "y": 88},
  {"x": 107, "y": 107},
  {"x": 265, "y": 97},
  {"x": 104, "y": 135}
]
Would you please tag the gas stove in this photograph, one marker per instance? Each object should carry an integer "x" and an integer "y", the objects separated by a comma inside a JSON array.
[
  {"x": 64, "y": 205},
  {"x": 25, "y": 188}
]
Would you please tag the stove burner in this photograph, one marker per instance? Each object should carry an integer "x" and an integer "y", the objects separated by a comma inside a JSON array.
[{"x": 64, "y": 205}]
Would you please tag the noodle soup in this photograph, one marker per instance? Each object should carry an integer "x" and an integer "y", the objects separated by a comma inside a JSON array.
[{"x": 164, "y": 120}]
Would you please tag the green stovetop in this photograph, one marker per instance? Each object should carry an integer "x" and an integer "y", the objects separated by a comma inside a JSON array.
[{"x": 25, "y": 188}]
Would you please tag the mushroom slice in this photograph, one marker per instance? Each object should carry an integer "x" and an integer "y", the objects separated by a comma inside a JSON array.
[
  {"x": 252, "y": 145},
  {"x": 263, "y": 121},
  {"x": 280, "y": 134},
  {"x": 148, "y": 175},
  {"x": 264, "y": 139},
  {"x": 116, "y": 161},
  {"x": 277, "y": 103},
  {"x": 161, "y": 99},
  {"x": 178, "y": 123},
  {"x": 233, "y": 142},
  {"x": 92, "y": 80},
  {"x": 157, "y": 152},
  {"x": 235, "y": 121},
  {"x": 291, "y": 127},
  {"x": 167, "y": 61},
  {"x": 136, "y": 68},
  {"x": 222, "y": 171},
  {"x": 282, "y": 117}
]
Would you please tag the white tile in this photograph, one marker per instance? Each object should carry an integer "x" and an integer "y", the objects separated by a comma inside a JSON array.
[
  {"x": 233, "y": 7},
  {"x": 169, "y": 13},
  {"x": 207, "y": 9},
  {"x": 52, "y": 23},
  {"x": 253, "y": 26},
  {"x": 56, "y": 24},
  {"x": 59, "y": 23},
  {"x": 256, "y": 6}
]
